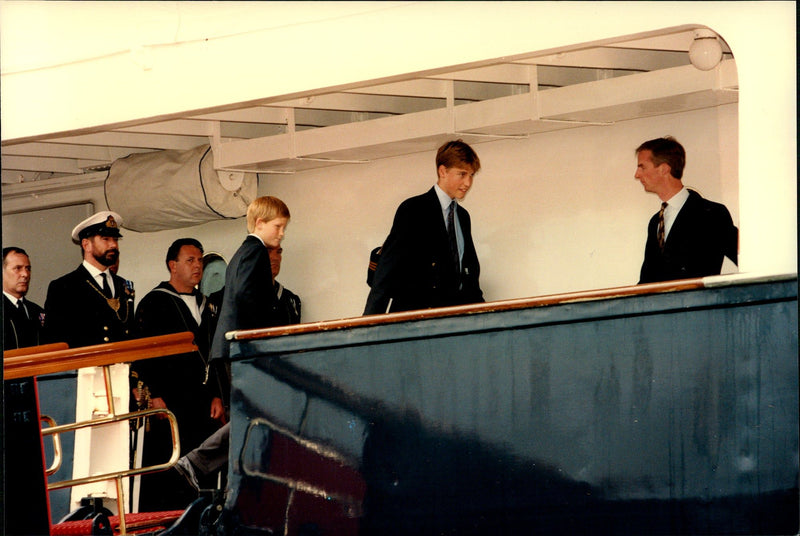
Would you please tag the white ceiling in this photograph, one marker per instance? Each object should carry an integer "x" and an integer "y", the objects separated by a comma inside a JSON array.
[{"x": 55, "y": 156}]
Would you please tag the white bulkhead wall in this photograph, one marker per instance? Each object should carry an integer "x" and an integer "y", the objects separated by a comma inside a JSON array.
[
  {"x": 552, "y": 213},
  {"x": 556, "y": 212}
]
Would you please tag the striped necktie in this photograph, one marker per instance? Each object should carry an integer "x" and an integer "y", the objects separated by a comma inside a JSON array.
[{"x": 660, "y": 232}]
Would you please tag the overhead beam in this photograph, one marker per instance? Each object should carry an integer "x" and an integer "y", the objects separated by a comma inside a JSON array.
[
  {"x": 645, "y": 94},
  {"x": 613, "y": 58},
  {"x": 65, "y": 150},
  {"x": 46, "y": 165},
  {"x": 174, "y": 127},
  {"x": 129, "y": 139},
  {"x": 434, "y": 89},
  {"x": 365, "y": 103},
  {"x": 254, "y": 114}
]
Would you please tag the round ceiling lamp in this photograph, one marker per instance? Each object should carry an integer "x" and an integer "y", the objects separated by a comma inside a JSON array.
[{"x": 705, "y": 52}]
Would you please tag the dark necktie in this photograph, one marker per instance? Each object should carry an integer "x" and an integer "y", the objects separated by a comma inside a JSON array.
[
  {"x": 21, "y": 308},
  {"x": 451, "y": 235},
  {"x": 106, "y": 287},
  {"x": 660, "y": 232}
]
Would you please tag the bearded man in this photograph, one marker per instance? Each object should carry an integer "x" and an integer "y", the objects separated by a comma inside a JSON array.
[{"x": 92, "y": 305}]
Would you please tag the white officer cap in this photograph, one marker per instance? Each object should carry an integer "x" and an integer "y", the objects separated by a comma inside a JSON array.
[{"x": 104, "y": 223}]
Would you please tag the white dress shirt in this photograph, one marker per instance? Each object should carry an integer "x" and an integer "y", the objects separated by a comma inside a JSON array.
[
  {"x": 674, "y": 205},
  {"x": 96, "y": 274}
]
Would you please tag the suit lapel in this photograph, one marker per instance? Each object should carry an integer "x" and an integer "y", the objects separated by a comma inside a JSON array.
[
  {"x": 91, "y": 281},
  {"x": 683, "y": 219},
  {"x": 10, "y": 309},
  {"x": 435, "y": 210}
]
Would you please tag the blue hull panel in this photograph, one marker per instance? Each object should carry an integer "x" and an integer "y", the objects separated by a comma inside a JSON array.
[{"x": 665, "y": 413}]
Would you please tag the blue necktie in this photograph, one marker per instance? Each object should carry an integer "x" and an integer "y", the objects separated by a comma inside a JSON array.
[{"x": 451, "y": 235}]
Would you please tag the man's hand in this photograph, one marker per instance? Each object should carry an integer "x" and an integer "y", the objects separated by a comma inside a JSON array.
[
  {"x": 218, "y": 410},
  {"x": 157, "y": 403}
]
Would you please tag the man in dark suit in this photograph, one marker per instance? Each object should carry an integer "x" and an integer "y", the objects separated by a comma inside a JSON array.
[
  {"x": 22, "y": 319},
  {"x": 91, "y": 305},
  {"x": 690, "y": 236},
  {"x": 429, "y": 259}
]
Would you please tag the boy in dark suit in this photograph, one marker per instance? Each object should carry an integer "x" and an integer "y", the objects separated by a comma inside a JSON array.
[
  {"x": 690, "y": 236},
  {"x": 212, "y": 455},
  {"x": 250, "y": 300},
  {"x": 429, "y": 259}
]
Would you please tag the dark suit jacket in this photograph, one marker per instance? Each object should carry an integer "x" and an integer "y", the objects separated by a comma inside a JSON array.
[
  {"x": 702, "y": 234},
  {"x": 20, "y": 331},
  {"x": 78, "y": 313},
  {"x": 249, "y": 300},
  {"x": 415, "y": 269}
]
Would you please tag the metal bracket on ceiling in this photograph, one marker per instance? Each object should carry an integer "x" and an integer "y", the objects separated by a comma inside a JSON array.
[
  {"x": 577, "y": 122},
  {"x": 273, "y": 171},
  {"x": 331, "y": 160},
  {"x": 230, "y": 179},
  {"x": 498, "y": 136}
]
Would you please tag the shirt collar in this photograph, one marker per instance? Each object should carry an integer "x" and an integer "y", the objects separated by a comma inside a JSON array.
[
  {"x": 259, "y": 238},
  {"x": 11, "y": 298},
  {"x": 677, "y": 201},
  {"x": 94, "y": 271},
  {"x": 444, "y": 199}
]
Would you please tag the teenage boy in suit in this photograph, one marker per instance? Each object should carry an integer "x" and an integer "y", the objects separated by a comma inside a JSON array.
[{"x": 429, "y": 259}]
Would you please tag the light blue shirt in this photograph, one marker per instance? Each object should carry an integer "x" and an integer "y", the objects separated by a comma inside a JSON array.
[{"x": 444, "y": 201}]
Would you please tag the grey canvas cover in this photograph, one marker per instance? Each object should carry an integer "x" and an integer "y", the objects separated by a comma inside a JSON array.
[{"x": 173, "y": 189}]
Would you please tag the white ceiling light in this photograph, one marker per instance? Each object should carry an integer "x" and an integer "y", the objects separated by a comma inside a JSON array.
[{"x": 705, "y": 52}]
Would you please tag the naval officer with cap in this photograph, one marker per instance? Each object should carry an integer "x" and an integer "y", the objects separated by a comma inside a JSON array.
[{"x": 91, "y": 305}]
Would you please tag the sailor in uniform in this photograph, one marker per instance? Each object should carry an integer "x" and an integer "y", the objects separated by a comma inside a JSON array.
[{"x": 92, "y": 305}]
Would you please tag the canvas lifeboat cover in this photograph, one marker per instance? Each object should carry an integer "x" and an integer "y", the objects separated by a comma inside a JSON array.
[{"x": 173, "y": 189}]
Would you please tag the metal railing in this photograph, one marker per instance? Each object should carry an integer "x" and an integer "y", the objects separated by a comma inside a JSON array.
[
  {"x": 55, "y": 358},
  {"x": 57, "y": 457},
  {"x": 352, "y": 506}
]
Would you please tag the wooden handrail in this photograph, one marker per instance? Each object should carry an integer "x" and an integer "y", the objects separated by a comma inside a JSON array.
[
  {"x": 19, "y": 364},
  {"x": 459, "y": 310},
  {"x": 507, "y": 305},
  {"x": 35, "y": 349}
]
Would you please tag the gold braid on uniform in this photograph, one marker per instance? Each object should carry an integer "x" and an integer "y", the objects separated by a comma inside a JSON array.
[{"x": 113, "y": 303}]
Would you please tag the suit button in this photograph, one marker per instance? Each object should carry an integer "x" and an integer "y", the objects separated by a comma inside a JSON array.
[
  {"x": 105, "y": 339},
  {"x": 105, "y": 328},
  {"x": 433, "y": 264}
]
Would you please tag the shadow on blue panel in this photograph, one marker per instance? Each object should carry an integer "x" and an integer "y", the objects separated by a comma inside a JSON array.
[{"x": 425, "y": 482}]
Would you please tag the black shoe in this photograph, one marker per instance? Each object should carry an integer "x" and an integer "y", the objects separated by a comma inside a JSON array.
[{"x": 185, "y": 468}]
